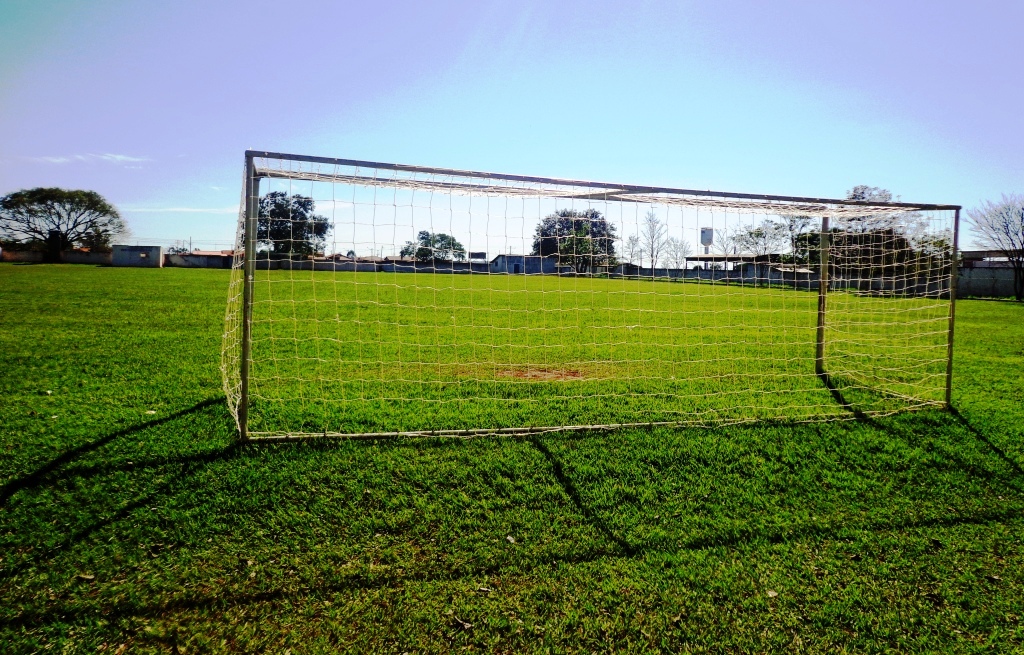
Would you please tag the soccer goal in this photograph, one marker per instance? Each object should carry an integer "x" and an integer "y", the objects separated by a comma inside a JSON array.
[{"x": 371, "y": 299}]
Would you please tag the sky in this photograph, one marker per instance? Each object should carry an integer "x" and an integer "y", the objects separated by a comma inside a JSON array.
[{"x": 153, "y": 104}]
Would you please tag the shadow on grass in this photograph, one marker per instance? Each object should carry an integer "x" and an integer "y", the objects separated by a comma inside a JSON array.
[
  {"x": 615, "y": 547},
  {"x": 41, "y": 474},
  {"x": 977, "y": 434},
  {"x": 592, "y": 517},
  {"x": 190, "y": 465},
  {"x": 906, "y": 436},
  {"x": 57, "y": 470},
  {"x": 357, "y": 582}
]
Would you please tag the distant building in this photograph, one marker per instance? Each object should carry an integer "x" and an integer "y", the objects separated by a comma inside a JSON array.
[
  {"x": 139, "y": 256},
  {"x": 524, "y": 265}
]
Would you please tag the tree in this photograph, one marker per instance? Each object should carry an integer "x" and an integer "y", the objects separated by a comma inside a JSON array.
[
  {"x": 883, "y": 243},
  {"x": 869, "y": 193},
  {"x": 807, "y": 249},
  {"x": 767, "y": 238},
  {"x": 59, "y": 219},
  {"x": 286, "y": 225},
  {"x": 631, "y": 248},
  {"x": 1000, "y": 226},
  {"x": 581, "y": 239},
  {"x": 652, "y": 237},
  {"x": 676, "y": 252},
  {"x": 724, "y": 241},
  {"x": 795, "y": 227},
  {"x": 431, "y": 246},
  {"x": 874, "y": 221},
  {"x": 100, "y": 240}
]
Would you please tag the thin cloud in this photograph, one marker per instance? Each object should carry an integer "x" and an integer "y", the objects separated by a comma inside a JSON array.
[
  {"x": 104, "y": 157},
  {"x": 182, "y": 210}
]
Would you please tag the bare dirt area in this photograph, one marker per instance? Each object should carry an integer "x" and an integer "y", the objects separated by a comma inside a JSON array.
[{"x": 540, "y": 374}]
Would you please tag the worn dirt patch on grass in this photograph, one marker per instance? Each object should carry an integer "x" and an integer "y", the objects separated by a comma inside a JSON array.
[{"x": 540, "y": 373}]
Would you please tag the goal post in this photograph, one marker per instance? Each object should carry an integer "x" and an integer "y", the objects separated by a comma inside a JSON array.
[{"x": 370, "y": 299}]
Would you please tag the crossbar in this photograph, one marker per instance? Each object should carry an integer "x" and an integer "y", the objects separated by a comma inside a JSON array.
[{"x": 614, "y": 188}]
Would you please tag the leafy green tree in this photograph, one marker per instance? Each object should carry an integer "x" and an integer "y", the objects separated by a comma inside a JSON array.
[
  {"x": 581, "y": 239},
  {"x": 59, "y": 219},
  {"x": 286, "y": 225},
  {"x": 796, "y": 229},
  {"x": 869, "y": 193},
  {"x": 97, "y": 240},
  {"x": 431, "y": 246}
]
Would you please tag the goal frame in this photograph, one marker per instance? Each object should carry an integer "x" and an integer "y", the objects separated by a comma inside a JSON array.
[{"x": 605, "y": 190}]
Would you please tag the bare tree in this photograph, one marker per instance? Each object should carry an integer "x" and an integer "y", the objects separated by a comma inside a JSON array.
[
  {"x": 631, "y": 248},
  {"x": 1000, "y": 226},
  {"x": 676, "y": 252},
  {"x": 724, "y": 242},
  {"x": 767, "y": 238},
  {"x": 652, "y": 237}
]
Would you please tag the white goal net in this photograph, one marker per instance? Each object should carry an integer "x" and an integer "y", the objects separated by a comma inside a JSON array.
[{"x": 372, "y": 299}]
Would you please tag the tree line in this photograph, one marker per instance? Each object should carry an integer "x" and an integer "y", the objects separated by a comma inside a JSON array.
[{"x": 54, "y": 219}]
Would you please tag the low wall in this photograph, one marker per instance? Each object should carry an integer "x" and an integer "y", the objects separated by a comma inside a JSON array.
[
  {"x": 198, "y": 261},
  {"x": 21, "y": 256},
  {"x": 988, "y": 282},
  {"x": 94, "y": 258}
]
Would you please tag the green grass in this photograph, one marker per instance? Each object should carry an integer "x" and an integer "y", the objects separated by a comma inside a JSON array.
[
  {"x": 382, "y": 352},
  {"x": 156, "y": 532}
]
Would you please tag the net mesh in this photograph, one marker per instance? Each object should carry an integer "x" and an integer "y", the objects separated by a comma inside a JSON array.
[{"x": 399, "y": 300}]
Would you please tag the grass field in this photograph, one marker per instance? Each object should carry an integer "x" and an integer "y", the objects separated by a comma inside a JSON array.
[
  {"x": 384, "y": 352},
  {"x": 132, "y": 522}
]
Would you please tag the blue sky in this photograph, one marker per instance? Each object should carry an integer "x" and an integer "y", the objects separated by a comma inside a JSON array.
[{"x": 153, "y": 104}]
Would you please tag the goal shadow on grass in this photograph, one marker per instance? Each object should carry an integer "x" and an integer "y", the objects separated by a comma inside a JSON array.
[
  {"x": 925, "y": 423},
  {"x": 358, "y": 582},
  {"x": 980, "y": 436},
  {"x": 187, "y": 466},
  {"x": 60, "y": 470},
  {"x": 43, "y": 474}
]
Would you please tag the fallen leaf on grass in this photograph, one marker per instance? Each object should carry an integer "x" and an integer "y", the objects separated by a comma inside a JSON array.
[
  {"x": 88, "y": 577},
  {"x": 484, "y": 590},
  {"x": 150, "y": 411},
  {"x": 772, "y": 594},
  {"x": 510, "y": 539}
]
